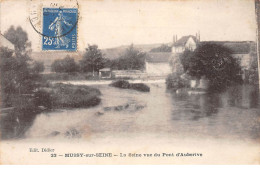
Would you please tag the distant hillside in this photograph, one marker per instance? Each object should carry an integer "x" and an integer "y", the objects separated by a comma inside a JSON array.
[
  {"x": 113, "y": 53},
  {"x": 49, "y": 56}
]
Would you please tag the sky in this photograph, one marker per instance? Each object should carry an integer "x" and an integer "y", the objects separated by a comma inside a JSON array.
[{"x": 111, "y": 23}]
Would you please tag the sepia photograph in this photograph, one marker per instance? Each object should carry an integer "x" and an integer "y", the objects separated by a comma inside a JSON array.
[{"x": 129, "y": 82}]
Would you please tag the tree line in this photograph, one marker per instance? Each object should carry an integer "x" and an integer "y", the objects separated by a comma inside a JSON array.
[{"x": 93, "y": 60}]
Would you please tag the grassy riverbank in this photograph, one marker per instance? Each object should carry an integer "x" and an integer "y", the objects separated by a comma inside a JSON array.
[{"x": 68, "y": 96}]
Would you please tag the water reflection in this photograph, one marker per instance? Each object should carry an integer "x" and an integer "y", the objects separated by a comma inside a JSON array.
[
  {"x": 254, "y": 98},
  {"x": 243, "y": 96},
  {"x": 197, "y": 106},
  {"x": 232, "y": 114},
  {"x": 14, "y": 124}
]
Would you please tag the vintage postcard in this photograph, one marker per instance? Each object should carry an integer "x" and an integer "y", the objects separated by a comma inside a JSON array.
[{"x": 129, "y": 82}]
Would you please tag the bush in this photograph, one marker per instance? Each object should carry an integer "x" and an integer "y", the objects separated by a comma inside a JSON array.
[
  {"x": 126, "y": 85},
  {"x": 175, "y": 82},
  {"x": 43, "y": 98},
  {"x": 140, "y": 87},
  {"x": 38, "y": 67},
  {"x": 121, "y": 84},
  {"x": 67, "y": 65}
]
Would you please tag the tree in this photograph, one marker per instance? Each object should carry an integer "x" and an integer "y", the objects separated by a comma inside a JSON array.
[
  {"x": 67, "y": 65},
  {"x": 38, "y": 67},
  {"x": 92, "y": 60},
  {"x": 19, "y": 38},
  {"x": 18, "y": 76},
  {"x": 215, "y": 63},
  {"x": 185, "y": 58},
  {"x": 132, "y": 59}
]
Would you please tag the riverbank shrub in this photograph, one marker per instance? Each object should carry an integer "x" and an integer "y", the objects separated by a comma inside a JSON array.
[
  {"x": 174, "y": 81},
  {"x": 126, "y": 85},
  {"x": 140, "y": 87},
  {"x": 67, "y": 96},
  {"x": 66, "y": 65},
  {"x": 121, "y": 84}
]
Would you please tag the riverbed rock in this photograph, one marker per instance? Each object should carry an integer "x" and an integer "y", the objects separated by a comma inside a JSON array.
[
  {"x": 119, "y": 108},
  {"x": 54, "y": 133},
  {"x": 107, "y": 108},
  {"x": 72, "y": 133},
  {"x": 99, "y": 113}
]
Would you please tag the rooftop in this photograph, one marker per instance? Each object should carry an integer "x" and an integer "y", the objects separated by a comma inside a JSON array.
[{"x": 182, "y": 41}]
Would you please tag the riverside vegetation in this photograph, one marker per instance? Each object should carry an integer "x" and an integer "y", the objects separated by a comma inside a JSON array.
[
  {"x": 25, "y": 92},
  {"x": 126, "y": 85},
  {"x": 210, "y": 61}
]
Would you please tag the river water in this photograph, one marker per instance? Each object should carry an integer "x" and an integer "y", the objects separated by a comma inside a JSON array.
[
  {"x": 224, "y": 128},
  {"x": 233, "y": 115}
]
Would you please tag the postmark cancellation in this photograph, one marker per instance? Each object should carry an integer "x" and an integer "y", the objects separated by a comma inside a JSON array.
[{"x": 56, "y": 24}]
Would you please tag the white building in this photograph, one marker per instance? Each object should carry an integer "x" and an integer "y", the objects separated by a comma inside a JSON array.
[
  {"x": 158, "y": 64},
  {"x": 186, "y": 42}
]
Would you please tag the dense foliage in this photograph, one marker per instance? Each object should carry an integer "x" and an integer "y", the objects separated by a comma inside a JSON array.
[
  {"x": 19, "y": 38},
  {"x": 185, "y": 58},
  {"x": 38, "y": 66},
  {"x": 215, "y": 63},
  {"x": 20, "y": 79},
  {"x": 19, "y": 73},
  {"x": 132, "y": 59},
  {"x": 92, "y": 60},
  {"x": 66, "y": 65},
  {"x": 67, "y": 96},
  {"x": 126, "y": 85},
  {"x": 174, "y": 81}
]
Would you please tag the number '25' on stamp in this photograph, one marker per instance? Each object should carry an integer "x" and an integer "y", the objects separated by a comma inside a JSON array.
[{"x": 60, "y": 29}]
